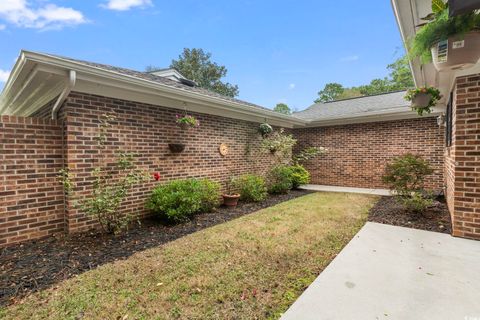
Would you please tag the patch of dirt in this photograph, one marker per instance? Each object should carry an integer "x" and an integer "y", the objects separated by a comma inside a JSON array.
[
  {"x": 388, "y": 210},
  {"x": 39, "y": 264}
]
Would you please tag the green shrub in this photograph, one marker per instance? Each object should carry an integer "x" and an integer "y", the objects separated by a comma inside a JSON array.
[
  {"x": 280, "y": 180},
  {"x": 251, "y": 187},
  {"x": 417, "y": 202},
  {"x": 299, "y": 175},
  {"x": 405, "y": 175},
  {"x": 179, "y": 200}
]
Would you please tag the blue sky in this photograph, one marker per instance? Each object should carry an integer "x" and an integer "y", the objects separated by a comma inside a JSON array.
[{"x": 276, "y": 51}]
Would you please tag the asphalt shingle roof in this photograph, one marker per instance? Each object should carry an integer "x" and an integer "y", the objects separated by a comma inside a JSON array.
[
  {"x": 393, "y": 101},
  {"x": 162, "y": 80}
]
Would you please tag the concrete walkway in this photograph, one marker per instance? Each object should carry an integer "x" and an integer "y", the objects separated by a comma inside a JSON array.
[
  {"x": 317, "y": 187},
  {"x": 389, "y": 272}
]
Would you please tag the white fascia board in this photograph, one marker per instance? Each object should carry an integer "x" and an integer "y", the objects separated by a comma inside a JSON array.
[
  {"x": 386, "y": 115},
  {"x": 84, "y": 71}
]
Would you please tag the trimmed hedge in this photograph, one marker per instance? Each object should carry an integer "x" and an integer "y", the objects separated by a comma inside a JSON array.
[
  {"x": 252, "y": 188},
  {"x": 179, "y": 200}
]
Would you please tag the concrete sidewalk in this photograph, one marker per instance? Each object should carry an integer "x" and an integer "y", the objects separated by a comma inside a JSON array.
[
  {"x": 317, "y": 187},
  {"x": 388, "y": 272}
]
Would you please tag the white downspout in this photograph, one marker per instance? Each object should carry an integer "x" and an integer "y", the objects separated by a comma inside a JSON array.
[{"x": 72, "y": 79}]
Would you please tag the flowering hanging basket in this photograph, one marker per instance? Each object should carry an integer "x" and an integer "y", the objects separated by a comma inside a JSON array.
[
  {"x": 423, "y": 99},
  {"x": 187, "y": 122}
]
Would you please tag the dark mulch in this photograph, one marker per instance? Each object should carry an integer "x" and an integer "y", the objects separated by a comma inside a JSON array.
[
  {"x": 36, "y": 265},
  {"x": 389, "y": 211}
]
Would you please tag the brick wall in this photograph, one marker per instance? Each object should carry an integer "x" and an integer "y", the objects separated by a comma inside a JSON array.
[
  {"x": 463, "y": 159},
  {"x": 31, "y": 199},
  {"x": 358, "y": 153},
  {"x": 147, "y": 130}
]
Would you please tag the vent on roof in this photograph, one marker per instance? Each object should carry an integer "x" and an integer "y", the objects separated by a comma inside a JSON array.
[
  {"x": 174, "y": 75},
  {"x": 187, "y": 82}
]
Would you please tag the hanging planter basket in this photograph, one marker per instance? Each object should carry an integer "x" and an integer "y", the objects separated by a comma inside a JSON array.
[
  {"x": 423, "y": 99},
  {"x": 176, "y": 147},
  {"x": 457, "y": 52}
]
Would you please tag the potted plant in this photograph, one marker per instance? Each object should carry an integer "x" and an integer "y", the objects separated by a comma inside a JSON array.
[
  {"x": 187, "y": 121},
  {"x": 423, "y": 99},
  {"x": 231, "y": 196},
  {"x": 449, "y": 42},
  {"x": 265, "y": 129}
]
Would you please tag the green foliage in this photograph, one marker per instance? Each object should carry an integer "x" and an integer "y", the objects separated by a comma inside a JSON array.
[
  {"x": 405, "y": 175},
  {"x": 252, "y": 188},
  {"x": 299, "y": 175},
  {"x": 187, "y": 121},
  {"x": 279, "y": 179},
  {"x": 400, "y": 74},
  {"x": 179, "y": 200},
  {"x": 265, "y": 129},
  {"x": 435, "y": 96},
  {"x": 330, "y": 92},
  {"x": 279, "y": 143},
  {"x": 440, "y": 27},
  {"x": 195, "y": 64},
  {"x": 417, "y": 202},
  {"x": 112, "y": 182},
  {"x": 283, "y": 178},
  {"x": 400, "y": 78},
  {"x": 308, "y": 153},
  {"x": 282, "y": 108}
]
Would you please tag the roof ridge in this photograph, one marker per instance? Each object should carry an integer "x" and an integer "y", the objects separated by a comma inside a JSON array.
[{"x": 366, "y": 96}]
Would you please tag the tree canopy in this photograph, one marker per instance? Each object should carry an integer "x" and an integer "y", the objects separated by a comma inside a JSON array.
[
  {"x": 399, "y": 78},
  {"x": 282, "y": 108},
  {"x": 196, "y": 65}
]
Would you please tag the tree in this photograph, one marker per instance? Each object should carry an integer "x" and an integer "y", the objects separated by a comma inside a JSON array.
[
  {"x": 330, "y": 92},
  {"x": 282, "y": 108},
  {"x": 195, "y": 64},
  {"x": 399, "y": 78},
  {"x": 401, "y": 74}
]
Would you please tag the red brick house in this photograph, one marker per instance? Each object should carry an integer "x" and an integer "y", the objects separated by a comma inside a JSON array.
[{"x": 51, "y": 108}]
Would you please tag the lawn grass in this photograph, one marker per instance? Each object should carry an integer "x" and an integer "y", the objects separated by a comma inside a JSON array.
[{"x": 253, "y": 267}]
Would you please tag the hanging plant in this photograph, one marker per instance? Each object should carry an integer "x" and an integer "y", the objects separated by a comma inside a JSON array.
[
  {"x": 265, "y": 129},
  {"x": 186, "y": 121},
  {"x": 423, "y": 99},
  {"x": 450, "y": 42}
]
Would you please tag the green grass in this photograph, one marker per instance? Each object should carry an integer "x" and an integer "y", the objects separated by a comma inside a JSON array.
[{"x": 253, "y": 267}]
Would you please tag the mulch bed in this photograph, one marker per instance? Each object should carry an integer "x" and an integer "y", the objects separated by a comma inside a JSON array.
[
  {"x": 37, "y": 265},
  {"x": 389, "y": 211}
]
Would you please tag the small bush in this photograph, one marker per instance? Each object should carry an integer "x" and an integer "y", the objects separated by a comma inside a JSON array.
[
  {"x": 251, "y": 187},
  {"x": 179, "y": 200},
  {"x": 280, "y": 180},
  {"x": 299, "y": 175},
  {"x": 405, "y": 175},
  {"x": 417, "y": 202}
]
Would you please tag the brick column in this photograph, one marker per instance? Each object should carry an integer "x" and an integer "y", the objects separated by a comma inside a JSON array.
[{"x": 463, "y": 159}]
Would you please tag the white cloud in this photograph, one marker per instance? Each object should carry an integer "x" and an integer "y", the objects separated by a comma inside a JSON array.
[
  {"x": 43, "y": 16},
  {"x": 350, "y": 58},
  {"x": 4, "y": 75},
  {"x": 124, "y": 5},
  {"x": 292, "y": 86},
  {"x": 2, "y": 27}
]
